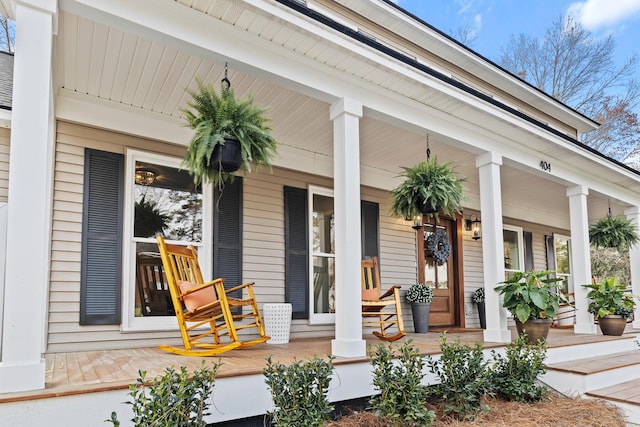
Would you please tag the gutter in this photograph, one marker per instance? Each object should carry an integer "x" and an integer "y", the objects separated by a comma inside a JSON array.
[{"x": 302, "y": 8}]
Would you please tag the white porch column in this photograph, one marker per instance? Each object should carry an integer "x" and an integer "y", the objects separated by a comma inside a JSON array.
[
  {"x": 29, "y": 211},
  {"x": 492, "y": 245},
  {"x": 633, "y": 214},
  {"x": 580, "y": 257},
  {"x": 348, "y": 341}
]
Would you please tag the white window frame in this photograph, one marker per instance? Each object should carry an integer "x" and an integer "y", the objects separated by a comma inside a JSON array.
[
  {"x": 555, "y": 256},
  {"x": 316, "y": 318},
  {"x": 131, "y": 323},
  {"x": 520, "y": 233}
]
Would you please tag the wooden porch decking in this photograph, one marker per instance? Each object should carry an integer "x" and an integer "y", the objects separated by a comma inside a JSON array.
[{"x": 94, "y": 371}]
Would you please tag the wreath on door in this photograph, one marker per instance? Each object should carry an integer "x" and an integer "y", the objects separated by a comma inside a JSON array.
[{"x": 438, "y": 246}]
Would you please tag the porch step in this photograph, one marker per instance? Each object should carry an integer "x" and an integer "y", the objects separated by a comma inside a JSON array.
[
  {"x": 625, "y": 395},
  {"x": 587, "y": 374}
]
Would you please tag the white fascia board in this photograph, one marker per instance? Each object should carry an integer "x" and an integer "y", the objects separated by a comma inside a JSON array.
[{"x": 380, "y": 12}]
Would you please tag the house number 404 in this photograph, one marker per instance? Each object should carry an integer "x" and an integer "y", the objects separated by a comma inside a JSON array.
[{"x": 545, "y": 166}]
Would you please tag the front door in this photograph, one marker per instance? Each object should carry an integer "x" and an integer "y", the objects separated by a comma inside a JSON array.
[{"x": 444, "y": 277}]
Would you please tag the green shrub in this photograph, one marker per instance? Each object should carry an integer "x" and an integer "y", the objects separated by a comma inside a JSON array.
[
  {"x": 464, "y": 378},
  {"x": 515, "y": 375},
  {"x": 175, "y": 399},
  {"x": 402, "y": 396},
  {"x": 299, "y": 391}
]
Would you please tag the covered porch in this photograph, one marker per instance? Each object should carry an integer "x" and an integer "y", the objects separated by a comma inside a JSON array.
[{"x": 348, "y": 115}]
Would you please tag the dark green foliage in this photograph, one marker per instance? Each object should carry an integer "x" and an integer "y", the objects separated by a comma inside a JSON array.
[
  {"x": 402, "y": 396},
  {"x": 299, "y": 392},
  {"x": 436, "y": 183},
  {"x": 610, "y": 297},
  {"x": 214, "y": 116},
  {"x": 176, "y": 399},
  {"x": 464, "y": 376},
  {"x": 613, "y": 232},
  {"x": 531, "y": 295},
  {"x": 515, "y": 375},
  {"x": 148, "y": 219}
]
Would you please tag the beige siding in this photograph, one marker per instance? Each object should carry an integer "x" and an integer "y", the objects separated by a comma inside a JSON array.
[
  {"x": 263, "y": 244},
  {"x": 64, "y": 331},
  {"x": 5, "y": 135},
  {"x": 263, "y": 241}
]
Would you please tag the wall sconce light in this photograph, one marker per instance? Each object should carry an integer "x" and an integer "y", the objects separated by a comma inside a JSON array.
[
  {"x": 417, "y": 222},
  {"x": 145, "y": 177},
  {"x": 474, "y": 226}
]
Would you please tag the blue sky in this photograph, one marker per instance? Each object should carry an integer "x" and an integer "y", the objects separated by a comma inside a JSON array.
[{"x": 495, "y": 20}]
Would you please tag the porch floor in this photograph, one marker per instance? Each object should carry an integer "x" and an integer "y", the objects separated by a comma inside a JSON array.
[{"x": 94, "y": 371}]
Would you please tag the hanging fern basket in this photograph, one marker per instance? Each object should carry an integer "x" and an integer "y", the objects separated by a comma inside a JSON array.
[{"x": 613, "y": 232}]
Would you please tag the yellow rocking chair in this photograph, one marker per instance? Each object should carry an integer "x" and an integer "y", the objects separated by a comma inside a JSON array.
[
  {"x": 379, "y": 310},
  {"x": 204, "y": 309}
]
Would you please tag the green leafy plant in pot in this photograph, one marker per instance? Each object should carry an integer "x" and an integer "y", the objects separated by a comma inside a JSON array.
[
  {"x": 611, "y": 305},
  {"x": 533, "y": 299},
  {"x": 429, "y": 187},
  {"x": 223, "y": 122},
  {"x": 420, "y": 296}
]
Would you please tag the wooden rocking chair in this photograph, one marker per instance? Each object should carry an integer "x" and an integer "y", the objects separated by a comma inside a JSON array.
[
  {"x": 378, "y": 312},
  {"x": 199, "y": 304}
]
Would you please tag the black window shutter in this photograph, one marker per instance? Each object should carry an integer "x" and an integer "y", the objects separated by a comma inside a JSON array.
[
  {"x": 528, "y": 250},
  {"x": 551, "y": 254},
  {"x": 369, "y": 212},
  {"x": 296, "y": 251},
  {"x": 227, "y": 234},
  {"x": 101, "y": 259}
]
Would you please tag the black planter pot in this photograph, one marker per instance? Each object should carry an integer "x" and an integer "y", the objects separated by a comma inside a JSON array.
[
  {"x": 227, "y": 157},
  {"x": 612, "y": 324},
  {"x": 425, "y": 207},
  {"x": 536, "y": 329},
  {"x": 482, "y": 314},
  {"x": 420, "y": 313}
]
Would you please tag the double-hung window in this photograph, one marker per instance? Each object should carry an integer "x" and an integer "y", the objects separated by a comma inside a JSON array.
[{"x": 160, "y": 199}]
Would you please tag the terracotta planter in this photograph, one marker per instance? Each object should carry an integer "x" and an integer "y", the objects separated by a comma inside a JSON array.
[
  {"x": 536, "y": 329},
  {"x": 612, "y": 324},
  {"x": 420, "y": 312},
  {"x": 228, "y": 156}
]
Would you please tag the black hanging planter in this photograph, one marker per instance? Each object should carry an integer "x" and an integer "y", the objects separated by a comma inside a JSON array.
[
  {"x": 425, "y": 207},
  {"x": 227, "y": 157}
]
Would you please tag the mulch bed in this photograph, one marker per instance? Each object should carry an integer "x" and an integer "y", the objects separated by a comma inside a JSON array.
[{"x": 554, "y": 411}]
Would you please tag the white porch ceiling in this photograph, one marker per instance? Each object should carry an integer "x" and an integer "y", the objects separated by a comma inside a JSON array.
[{"x": 106, "y": 62}]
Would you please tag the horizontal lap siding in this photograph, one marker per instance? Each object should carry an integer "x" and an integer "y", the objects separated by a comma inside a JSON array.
[
  {"x": 5, "y": 135},
  {"x": 64, "y": 331}
]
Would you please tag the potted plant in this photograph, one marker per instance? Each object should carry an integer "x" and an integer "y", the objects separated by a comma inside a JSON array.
[
  {"x": 478, "y": 297},
  {"x": 222, "y": 122},
  {"x": 533, "y": 300},
  {"x": 429, "y": 187},
  {"x": 613, "y": 232},
  {"x": 611, "y": 305},
  {"x": 420, "y": 296}
]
